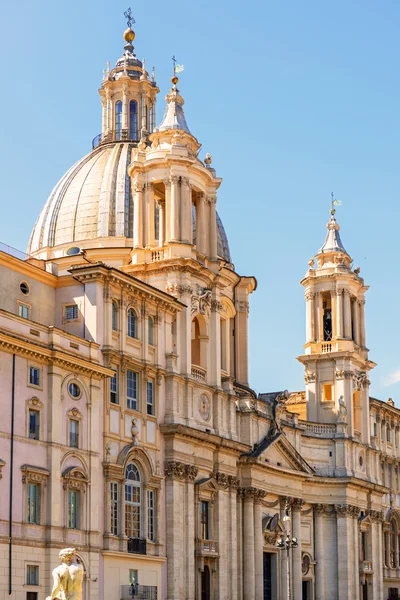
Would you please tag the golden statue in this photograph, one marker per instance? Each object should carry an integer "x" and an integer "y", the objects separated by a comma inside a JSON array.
[{"x": 68, "y": 577}]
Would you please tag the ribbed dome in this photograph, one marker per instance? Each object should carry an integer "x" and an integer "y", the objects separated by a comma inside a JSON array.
[{"x": 94, "y": 200}]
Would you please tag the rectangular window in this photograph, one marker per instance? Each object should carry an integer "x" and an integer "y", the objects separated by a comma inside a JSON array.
[
  {"x": 388, "y": 434},
  {"x": 150, "y": 397},
  {"x": 133, "y": 577},
  {"x": 114, "y": 388},
  {"x": 34, "y": 424},
  {"x": 71, "y": 312},
  {"x": 363, "y": 545},
  {"x": 31, "y": 596},
  {"x": 32, "y": 575},
  {"x": 34, "y": 376},
  {"x": 327, "y": 392},
  {"x": 150, "y": 515},
  {"x": 24, "y": 311},
  {"x": 114, "y": 507},
  {"x": 74, "y": 433},
  {"x": 131, "y": 390},
  {"x": 375, "y": 429},
  {"x": 204, "y": 520},
  {"x": 33, "y": 503},
  {"x": 73, "y": 509}
]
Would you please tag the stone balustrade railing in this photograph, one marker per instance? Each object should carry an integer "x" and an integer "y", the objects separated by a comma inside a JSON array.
[{"x": 318, "y": 429}]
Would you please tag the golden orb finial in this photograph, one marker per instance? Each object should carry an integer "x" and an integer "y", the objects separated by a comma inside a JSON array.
[
  {"x": 129, "y": 35},
  {"x": 174, "y": 79}
]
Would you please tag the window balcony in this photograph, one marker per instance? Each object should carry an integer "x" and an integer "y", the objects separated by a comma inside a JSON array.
[
  {"x": 199, "y": 373},
  {"x": 139, "y": 592},
  {"x": 34, "y": 432},
  {"x": 137, "y": 546},
  {"x": 366, "y": 567},
  {"x": 207, "y": 548}
]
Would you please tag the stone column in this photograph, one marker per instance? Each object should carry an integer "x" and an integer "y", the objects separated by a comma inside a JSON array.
[
  {"x": 356, "y": 327},
  {"x": 175, "y": 208},
  {"x": 180, "y": 540},
  {"x": 161, "y": 224},
  {"x": 186, "y": 211},
  {"x": 258, "y": 545},
  {"x": 167, "y": 211},
  {"x": 310, "y": 328},
  {"x": 233, "y": 538},
  {"x": 347, "y": 315},
  {"x": 153, "y": 124},
  {"x": 190, "y": 534},
  {"x": 345, "y": 552},
  {"x": 320, "y": 313},
  {"x": 143, "y": 113},
  {"x": 362, "y": 324},
  {"x": 319, "y": 552},
  {"x": 339, "y": 313},
  {"x": 107, "y": 333},
  {"x": 356, "y": 554},
  {"x": 124, "y": 107},
  {"x": 149, "y": 239},
  {"x": 109, "y": 123},
  {"x": 213, "y": 227},
  {"x": 215, "y": 343},
  {"x": 248, "y": 545},
  {"x": 103, "y": 115},
  {"x": 333, "y": 313},
  {"x": 200, "y": 223},
  {"x": 297, "y": 576},
  {"x": 138, "y": 215}
]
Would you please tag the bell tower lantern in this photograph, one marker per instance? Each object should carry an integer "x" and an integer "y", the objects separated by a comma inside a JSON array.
[
  {"x": 128, "y": 96},
  {"x": 335, "y": 353}
]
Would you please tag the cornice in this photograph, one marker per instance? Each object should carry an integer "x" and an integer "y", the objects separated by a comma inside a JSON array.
[
  {"x": 28, "y": 269},
  {"x": 215, "y": 440},
  {"x": 22, "y": 347}
]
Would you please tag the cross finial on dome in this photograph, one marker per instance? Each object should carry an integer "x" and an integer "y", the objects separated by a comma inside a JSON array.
[
  {"x": 333, "y": 243},
  {"x": 130, "y": 20}
]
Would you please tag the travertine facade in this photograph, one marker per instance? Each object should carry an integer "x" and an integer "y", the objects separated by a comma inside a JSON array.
[{"x": 129, "y": 429}]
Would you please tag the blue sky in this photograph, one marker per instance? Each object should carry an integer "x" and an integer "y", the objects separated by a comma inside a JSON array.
[{"x": 293, "y": 100}]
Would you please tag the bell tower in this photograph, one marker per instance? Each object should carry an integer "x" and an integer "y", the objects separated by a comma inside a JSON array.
[{"x": 335, "y": 353}]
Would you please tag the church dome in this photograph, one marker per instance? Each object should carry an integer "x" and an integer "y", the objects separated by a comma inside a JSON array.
[{"x": 94, "y": 200}]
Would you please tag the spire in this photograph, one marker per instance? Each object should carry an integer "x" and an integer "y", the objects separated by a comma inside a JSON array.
[
  {"x": 333, "y": 243},
  {"x": 174, "y": 117}
]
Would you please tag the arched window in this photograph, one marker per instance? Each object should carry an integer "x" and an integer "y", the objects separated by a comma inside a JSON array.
[
  {"x": 133, "y": 120},
  {"x": 151, "y": 119},
  {"x": 195, "y": 342},
  {"x": 118, "y": 120},
  {"x": 132, "y": 324},
  {"x": 150, "y": 329},
  {"x": 114, "y": 316},
  {"x": 133, "y": 502}
]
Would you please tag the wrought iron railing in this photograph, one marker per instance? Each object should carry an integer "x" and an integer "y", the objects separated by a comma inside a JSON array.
[
  {"x": 139, "y": 592},
  {"x": 137, "y": 546},
  {"x": 119, "y": 135}
]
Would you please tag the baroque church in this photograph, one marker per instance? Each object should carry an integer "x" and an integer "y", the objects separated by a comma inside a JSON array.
[{"x": 129, "y": 427}]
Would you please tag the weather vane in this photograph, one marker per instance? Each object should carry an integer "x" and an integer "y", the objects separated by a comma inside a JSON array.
[
  {"x": 334, "y": 203},
  {"x": 129, "y": 18},
  {"x": 177, "y": 68}
]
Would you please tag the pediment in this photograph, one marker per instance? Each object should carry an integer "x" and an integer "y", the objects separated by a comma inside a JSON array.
[{"x": 276, "y": 450}]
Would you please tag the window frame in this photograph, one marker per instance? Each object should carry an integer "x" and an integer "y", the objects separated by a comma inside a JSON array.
[
  {"x": 151, "y": 514},
  {"x": 132, "y": 324},
  {"x": 118, "y": 110},
  {"x": 37, "y": 578},
  {"x": 150, "y": 330},
  {"x": 150, "y": 406},
  {"x": 37, "y": 486},
  {"x": 67, "y": 306},
  {"x": 114, "y": 315},
  {"x": 133, "y": 131},
  {"x": 114, "y": 507},
  {"x": 76, "y": 516},
  {"x": 132, "y": 403},
  {"x": 204, "y": 520},
  {"x": 73, "y": 433},
  {"x": 37, "y": 386},
  {"x": 138, "y": 505},
  {"x": 115, "y": 391},
  {"x": 37, "y": 426},
  {"x": 24, "y": 305}
]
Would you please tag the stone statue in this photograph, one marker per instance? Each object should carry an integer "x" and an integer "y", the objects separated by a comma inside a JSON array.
[
  {"x": 68, "y": 577},
  {"x": 342, "y": 418},
  {"x": 278, "y": 408}
]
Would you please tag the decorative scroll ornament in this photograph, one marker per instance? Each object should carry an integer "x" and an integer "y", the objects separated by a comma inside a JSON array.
[
  {"x": 340, "y": 374},
  {"x": 309, "y": 377},
  {"x": 180, "y": 471},
  {"x": 201, "y": 301},
  {"x": 360, "y": 380}
]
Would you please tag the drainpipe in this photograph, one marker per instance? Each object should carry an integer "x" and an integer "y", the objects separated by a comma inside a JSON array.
[{"x": 11, "y": 477}]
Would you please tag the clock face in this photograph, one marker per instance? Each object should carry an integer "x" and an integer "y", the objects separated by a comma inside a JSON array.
[{"x": 204, "y": 407}]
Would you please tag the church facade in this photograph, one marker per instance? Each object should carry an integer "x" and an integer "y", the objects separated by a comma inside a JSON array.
[{"x": 129, "y": 427}]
